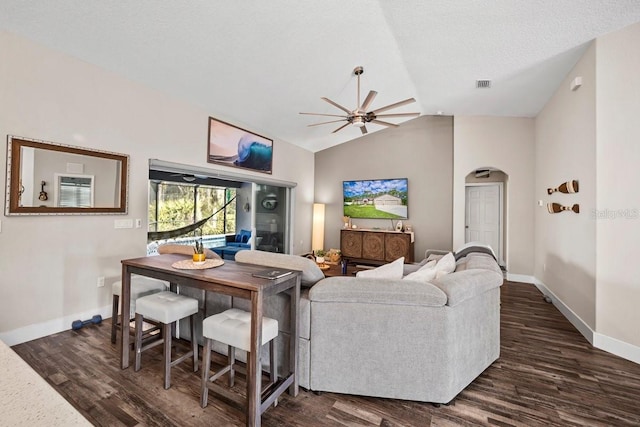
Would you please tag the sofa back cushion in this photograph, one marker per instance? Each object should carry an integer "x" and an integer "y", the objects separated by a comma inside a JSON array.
[
  {"x": 392, "y": 270},
  {"x": 372, "y": 291},
  {"x": 463, "y": 285},
  {"x": 243, "y": 236},
  {"x": 311, "y": 273},
  {"x": 171, "y": 248}
]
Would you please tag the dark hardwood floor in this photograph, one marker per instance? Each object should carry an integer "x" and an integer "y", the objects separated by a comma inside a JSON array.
[{"x": 547, "y": 375}]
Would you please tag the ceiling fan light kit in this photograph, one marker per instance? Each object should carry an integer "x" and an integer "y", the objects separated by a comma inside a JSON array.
[{"x": 359, "y": 117}]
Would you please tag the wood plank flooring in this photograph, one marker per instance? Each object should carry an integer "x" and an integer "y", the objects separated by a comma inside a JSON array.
[{"x": 547, "y": 375}]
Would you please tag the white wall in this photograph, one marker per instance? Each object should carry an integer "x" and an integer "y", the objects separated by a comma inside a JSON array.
[
  {"x": 420, "y": 150},
  {"x": 505, "y": 143},
  {"x": 565, "y": 242},
  {"x": 618, "y": 193},
  {"x": 50, "y": 96}
]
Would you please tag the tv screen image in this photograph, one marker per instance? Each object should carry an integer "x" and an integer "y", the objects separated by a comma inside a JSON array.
[{"x": 376, "y": 198}]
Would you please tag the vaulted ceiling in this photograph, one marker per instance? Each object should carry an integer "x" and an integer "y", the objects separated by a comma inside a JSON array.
[{"x": 257, "y": 64}]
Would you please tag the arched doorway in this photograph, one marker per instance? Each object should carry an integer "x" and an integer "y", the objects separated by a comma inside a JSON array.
[{"x": 485, "y": 209}]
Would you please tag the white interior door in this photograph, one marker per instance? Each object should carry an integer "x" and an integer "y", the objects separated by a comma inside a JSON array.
[{"x": 483, "y": 216}]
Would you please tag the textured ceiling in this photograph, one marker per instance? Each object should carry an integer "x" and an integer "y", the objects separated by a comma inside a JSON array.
[{"x": 258, "y": 63}]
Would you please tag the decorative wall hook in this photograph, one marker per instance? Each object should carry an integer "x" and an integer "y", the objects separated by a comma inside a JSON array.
[
  {"x": 557, "y": 207},
  {"x": 565, "y": 187}
]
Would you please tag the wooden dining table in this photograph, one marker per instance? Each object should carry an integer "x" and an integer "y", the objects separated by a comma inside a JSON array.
[{"x": 236, "y": 280}]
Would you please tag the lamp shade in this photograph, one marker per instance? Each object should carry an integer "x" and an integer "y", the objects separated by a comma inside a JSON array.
[{"x": 317, "y": 234}]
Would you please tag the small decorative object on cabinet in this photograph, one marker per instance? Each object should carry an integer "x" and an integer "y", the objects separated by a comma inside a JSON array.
[
  {"x": 320, "y": 256},
  {"x": 566, "y": 187},
  {"x": 399, "y": 226},
  {"x": 557, "y": 207},
  {"x": 346, "y": 221},
  {"x": 333, "y": 255}
]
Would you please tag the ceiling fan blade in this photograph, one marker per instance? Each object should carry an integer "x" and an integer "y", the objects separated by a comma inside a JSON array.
[
  {"x": 324, "y": 123},
  {"x": 397, "y": 104},
  {"x": 399, "y": 115},
  {"x": 368, "y": 100},
  {"x": 379, "y": 122},
  {"x": 336, "y": 105},
  {"x": 321, "y": 114},
  {"x": 341, "y": 127},
  {"x": 363, "y": 129}
]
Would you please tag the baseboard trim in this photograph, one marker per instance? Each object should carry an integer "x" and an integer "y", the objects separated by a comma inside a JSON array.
[
  {"x": 39, "y": 330},
  {"x": 522, "y": 278},
  {"x": 617, "y": 347},
  {"x": 598, "y": 340},
  {"x": 571, "y": 316}
]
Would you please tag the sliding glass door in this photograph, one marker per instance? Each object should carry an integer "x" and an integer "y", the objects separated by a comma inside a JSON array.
[{"x": 272, "y": 218}]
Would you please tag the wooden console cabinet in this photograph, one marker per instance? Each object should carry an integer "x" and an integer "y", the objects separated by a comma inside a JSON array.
[{"x": 376, "y": 246}]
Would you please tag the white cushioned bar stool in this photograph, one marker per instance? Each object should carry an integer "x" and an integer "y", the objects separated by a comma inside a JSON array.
[
  {"x": 233, "y": 327},
  {"x": 166, "y": 308},
  {"x": 140, "y": 286}
]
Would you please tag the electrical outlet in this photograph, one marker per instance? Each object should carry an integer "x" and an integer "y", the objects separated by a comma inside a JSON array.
[
  {"x": 101, "y": 281},
  {"x": 138, "y": 223}
]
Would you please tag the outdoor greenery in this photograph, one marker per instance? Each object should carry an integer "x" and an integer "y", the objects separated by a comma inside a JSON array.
[
  {"x": 173, "y": 205},
  {"x": 367, "y": 211}
]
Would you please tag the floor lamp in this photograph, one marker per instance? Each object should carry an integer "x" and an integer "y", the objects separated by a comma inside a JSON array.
[{"x": 317, "y": 234}]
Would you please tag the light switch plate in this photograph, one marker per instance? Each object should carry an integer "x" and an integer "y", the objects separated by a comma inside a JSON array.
[{"x": 123, "y": 223}]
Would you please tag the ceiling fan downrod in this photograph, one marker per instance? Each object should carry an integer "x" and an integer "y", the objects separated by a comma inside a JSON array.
[{"x": 358, "y": 71}]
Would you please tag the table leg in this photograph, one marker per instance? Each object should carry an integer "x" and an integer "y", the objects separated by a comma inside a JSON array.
[
  {"x": 126, "y": 305},
  {"x": 254, "y": 370},
  {"x": 295, "y": 339}
]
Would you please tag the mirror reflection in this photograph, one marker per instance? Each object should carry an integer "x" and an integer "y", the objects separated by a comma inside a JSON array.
[{"x": 49, "y": 178}]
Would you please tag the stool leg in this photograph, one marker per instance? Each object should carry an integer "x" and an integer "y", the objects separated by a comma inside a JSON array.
[
  {"x": 166, "y": 357},
  {"x": 138, "y": 340},
  {"x": 194, "y": 342},
  {"x": 273, "y": 360},
  {"x": 206, "y": 366},
  {"x": 273, "y": 364},
  {"x": 114, "y": 318},
  {"x": 231, "y": 357}
]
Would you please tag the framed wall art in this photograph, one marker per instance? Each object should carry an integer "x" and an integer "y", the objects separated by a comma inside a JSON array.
[{"x": 232, "y": 146}]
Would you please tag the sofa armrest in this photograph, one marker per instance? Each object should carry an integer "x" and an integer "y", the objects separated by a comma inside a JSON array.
[
  {"x": 463, "y": 285},
  {"x": 377, "y": 291}
]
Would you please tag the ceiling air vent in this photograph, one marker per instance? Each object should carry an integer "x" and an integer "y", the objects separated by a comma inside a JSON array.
[{"x": 483, "y": 84}]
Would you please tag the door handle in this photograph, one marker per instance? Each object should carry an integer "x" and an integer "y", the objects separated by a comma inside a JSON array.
[{"x": 466, "y": 226}]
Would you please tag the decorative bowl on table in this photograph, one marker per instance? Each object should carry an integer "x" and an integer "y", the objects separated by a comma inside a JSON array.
[{"x": 199, "y": 259}]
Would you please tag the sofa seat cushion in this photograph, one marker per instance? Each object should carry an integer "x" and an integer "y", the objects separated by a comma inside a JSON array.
[
  {"x": 239, "y": 245},
  {"x": 341, "y": 289}
]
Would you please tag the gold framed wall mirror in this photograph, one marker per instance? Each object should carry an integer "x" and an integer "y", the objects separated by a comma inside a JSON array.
[{"x": 47, "y": 178}]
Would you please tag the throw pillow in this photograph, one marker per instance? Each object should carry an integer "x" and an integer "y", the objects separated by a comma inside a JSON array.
[
  {"x": 393, "y": 270},
  {"x": 445, "y": 265},
  {"x": 426, "y": 273}
]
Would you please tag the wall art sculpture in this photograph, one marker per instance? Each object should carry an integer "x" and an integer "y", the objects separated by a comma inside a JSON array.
[
  {"x": 557, "y": 207},
  {"x": 566, "y": 187}
]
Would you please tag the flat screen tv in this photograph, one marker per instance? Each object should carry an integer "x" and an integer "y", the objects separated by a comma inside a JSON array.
[{"x": 376, "y": 198}]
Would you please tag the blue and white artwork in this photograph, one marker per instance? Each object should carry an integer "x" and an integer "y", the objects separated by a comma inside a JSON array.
[{"x": 232, "y": 146}]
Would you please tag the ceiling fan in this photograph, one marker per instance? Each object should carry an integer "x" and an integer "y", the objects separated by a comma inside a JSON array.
[{"x": 360, "y": 116}]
